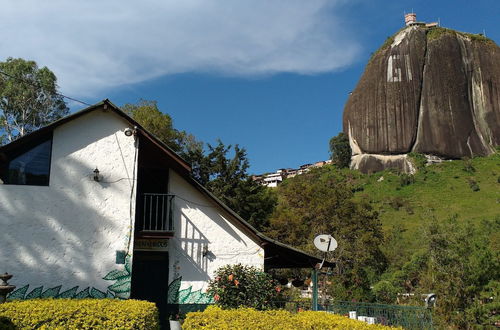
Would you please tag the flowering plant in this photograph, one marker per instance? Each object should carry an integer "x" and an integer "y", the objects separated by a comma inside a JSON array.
[{"x": 234, "y": 286}]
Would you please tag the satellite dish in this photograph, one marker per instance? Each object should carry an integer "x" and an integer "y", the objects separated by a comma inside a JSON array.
[{"x": 325, "y": 243}]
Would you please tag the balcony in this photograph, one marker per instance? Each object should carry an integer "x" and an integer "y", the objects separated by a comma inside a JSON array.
[{"x": 155, "y": 216}]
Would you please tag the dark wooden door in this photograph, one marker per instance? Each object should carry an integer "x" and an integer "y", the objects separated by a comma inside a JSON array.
[
  {"x": 150, "y": 279},
  {"x": 151, "y": 181}
]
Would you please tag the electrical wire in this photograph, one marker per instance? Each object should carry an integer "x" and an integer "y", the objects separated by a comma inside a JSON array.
[
  {"x": 36, "y": 86},
  {"x": 116, "y": 180},
  {"x": 91, "y": 175},
  {"x": 131, "y": 206}
]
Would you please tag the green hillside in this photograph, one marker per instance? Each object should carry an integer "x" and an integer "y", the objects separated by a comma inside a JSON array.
[
  {"x": 437, "y": 231},
  {"x": 466, "y": 189}
]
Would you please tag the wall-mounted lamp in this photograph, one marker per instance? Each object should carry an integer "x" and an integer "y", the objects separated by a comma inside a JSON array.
[
  {"x": 130, "y": 131},
  {"x": 97, "y": 177},
  {"x": 205, "y": 251}
]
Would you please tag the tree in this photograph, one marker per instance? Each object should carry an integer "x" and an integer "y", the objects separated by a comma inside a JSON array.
[
  {"x": 29, "y": 98},
  {"x": 225, "y": 177},
  {"x": 321, "y": 202},
  {"x": 459, "y": 264},
  {"x": 160, "y": 124},
  {"x": 340, "y": 150}
]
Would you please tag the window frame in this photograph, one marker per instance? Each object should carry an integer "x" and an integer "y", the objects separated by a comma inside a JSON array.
[{"x": 20, "y": 150}]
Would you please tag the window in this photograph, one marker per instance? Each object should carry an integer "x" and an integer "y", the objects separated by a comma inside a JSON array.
[{"x": 30, "y": 166}]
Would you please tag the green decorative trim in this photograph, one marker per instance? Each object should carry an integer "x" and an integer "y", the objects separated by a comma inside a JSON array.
[
  {"x": 36, "y": 293},
  {"x": 20, "y": 294},
  {"x": 119, "y": 289},
  {"x": 83, "y": 294},
  {"x": 98, "y": 294},
  {"x": 52, "y": 293},
  {"x": 70, "y": 293},
  {"x": 123, "y": 280},
  {"x": 173, "y": 291},
  {"x": 186, "y": 296}
]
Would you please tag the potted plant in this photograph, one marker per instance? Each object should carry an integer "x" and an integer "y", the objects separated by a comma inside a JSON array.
[{"x": 174, "y": 321}]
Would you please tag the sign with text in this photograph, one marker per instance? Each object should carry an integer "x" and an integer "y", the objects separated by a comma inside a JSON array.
[{"x": 151, "y": 245}]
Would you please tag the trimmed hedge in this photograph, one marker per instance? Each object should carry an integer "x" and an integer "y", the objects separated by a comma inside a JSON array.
[
  {"x": 248, "y": 318},
  {"x": 78, "y": 314}
]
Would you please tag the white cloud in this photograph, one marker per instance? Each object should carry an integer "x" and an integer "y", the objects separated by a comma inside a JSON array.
[{"x": 94, "y": 45}]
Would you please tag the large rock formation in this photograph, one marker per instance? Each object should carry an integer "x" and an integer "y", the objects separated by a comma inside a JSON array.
[{"x": 428, "y": 90}]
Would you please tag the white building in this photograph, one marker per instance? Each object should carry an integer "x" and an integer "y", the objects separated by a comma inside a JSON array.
[
  {"x": 95, "y": 206},
  {"x": 274, "y": 179}
]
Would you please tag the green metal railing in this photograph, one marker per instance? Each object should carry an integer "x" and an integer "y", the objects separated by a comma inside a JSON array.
[{"x": 408, "y": 317}]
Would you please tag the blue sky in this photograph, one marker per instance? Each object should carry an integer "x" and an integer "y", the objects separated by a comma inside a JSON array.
[{"x": 271, "y": 76}]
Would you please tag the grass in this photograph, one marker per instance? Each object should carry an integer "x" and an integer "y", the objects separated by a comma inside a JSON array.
[
  {"x": 435, "y": 193},
  {"x": 437, "y": 32}
]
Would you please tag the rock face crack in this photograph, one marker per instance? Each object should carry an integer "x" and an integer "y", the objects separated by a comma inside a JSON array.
[{"x": 419, "y": 106}]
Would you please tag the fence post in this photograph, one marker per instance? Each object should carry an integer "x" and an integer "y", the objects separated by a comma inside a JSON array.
[{"x": 314, "y": 279}]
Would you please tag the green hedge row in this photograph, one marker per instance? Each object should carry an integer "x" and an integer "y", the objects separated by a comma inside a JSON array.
[
  {"x": 78, "y": 314},
  {"x": 247, "y": 318}
]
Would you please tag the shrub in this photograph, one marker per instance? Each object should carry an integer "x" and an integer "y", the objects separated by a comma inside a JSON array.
[
  {"x": 473, "y": 185},
  {"x": 78, "y": 314},
  {"x": 418, "y": 160},
  {"x": 340, "y": 150},
  {"x": 406, "y": 179},
  {"x": 238, "y": 285},
  {"x": 398, "y": 202},
  {"x": 468, "y": 167},
  {"x": 247, "y": 318}
]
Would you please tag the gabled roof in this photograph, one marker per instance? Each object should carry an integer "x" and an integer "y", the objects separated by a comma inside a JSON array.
[
  {"x": 278, "y": 255},
  {"x": 103, "y": 105}
]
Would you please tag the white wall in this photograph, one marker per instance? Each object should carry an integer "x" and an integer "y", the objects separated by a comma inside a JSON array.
[
  {"x": 199, "y": 221},
  {"x": 67, "y": 233}
]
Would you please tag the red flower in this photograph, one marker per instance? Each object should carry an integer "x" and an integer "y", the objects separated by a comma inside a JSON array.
[
  {"x": 278, "y": 289},
  {"x": 216, "y": 297},
  {"x": 236, "y": 282},
  {"x": 230, "y": 277}
]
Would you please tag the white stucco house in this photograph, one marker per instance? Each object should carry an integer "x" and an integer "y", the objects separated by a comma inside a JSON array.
[{"x": 93, "y": 205}]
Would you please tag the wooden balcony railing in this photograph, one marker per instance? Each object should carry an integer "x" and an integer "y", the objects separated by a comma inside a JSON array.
[{"x": 157, "y": 214}]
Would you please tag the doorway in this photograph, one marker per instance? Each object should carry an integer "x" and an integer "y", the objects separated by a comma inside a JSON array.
[{"x": 150, "y": 279}]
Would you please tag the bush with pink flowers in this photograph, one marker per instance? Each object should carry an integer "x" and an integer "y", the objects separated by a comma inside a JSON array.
[{"x": 243, "y": 286}]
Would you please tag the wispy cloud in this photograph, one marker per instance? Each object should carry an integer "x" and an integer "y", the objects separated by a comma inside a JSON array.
[{"x": 94, "y": 45}]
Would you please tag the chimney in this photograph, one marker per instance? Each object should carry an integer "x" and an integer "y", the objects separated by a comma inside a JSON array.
[{"x": 410, "y": 18}]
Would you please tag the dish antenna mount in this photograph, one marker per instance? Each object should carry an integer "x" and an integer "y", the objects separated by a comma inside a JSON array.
[{"x": 325, "y": 243}]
